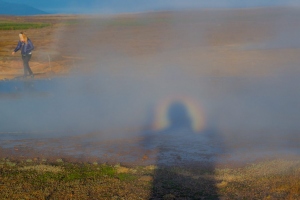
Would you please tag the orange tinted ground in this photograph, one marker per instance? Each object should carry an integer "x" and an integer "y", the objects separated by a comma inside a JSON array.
[{"x": 206, "y": 43}]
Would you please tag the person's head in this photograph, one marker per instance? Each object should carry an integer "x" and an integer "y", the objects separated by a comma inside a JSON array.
[
  {"x": 179, "y": 116},
  {"x": 23, "y": 37}
]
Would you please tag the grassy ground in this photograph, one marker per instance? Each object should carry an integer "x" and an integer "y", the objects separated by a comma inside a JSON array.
[
  {"x": 21, "y": 26},
  {"x": 277, "y": 179}
]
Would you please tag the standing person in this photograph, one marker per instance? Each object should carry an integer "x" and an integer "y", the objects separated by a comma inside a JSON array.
[{"x": 26, "y": 47}]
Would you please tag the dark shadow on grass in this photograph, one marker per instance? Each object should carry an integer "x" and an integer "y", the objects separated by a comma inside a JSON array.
[{"x": 185, "y": 158}]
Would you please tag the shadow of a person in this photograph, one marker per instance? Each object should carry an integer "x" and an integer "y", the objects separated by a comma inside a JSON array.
[
  {"x": 178, "y": 117},
  {"x": 184, "y": 169}
]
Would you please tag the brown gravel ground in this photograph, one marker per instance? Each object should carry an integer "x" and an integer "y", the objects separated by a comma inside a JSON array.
[{"x": 41, "y": 179}]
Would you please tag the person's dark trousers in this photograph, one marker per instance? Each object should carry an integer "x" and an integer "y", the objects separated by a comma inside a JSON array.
[{"x": 27, "y": 69}]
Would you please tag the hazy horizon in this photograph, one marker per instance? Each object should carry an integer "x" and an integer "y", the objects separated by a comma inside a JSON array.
[{"x": 117, "y": 6}]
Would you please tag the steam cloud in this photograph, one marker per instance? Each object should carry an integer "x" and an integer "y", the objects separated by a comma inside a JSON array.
[{"x": 122, "y": 94}]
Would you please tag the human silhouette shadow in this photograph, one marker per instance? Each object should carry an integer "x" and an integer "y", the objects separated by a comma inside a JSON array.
[
  {"x": 184, "y": 169},
  {"x": 178, "y": 117}
]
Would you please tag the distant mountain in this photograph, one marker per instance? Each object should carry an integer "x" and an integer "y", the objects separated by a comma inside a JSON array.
[{"x": 18, "y": 9}]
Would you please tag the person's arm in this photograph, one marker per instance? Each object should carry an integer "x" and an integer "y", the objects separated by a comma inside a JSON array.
[
  {"x": 17, "y": 48},
  {"x": 29, "y": 46}
]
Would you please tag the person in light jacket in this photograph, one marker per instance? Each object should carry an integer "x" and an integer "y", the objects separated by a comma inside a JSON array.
[{"x": 26, "y": 47}]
